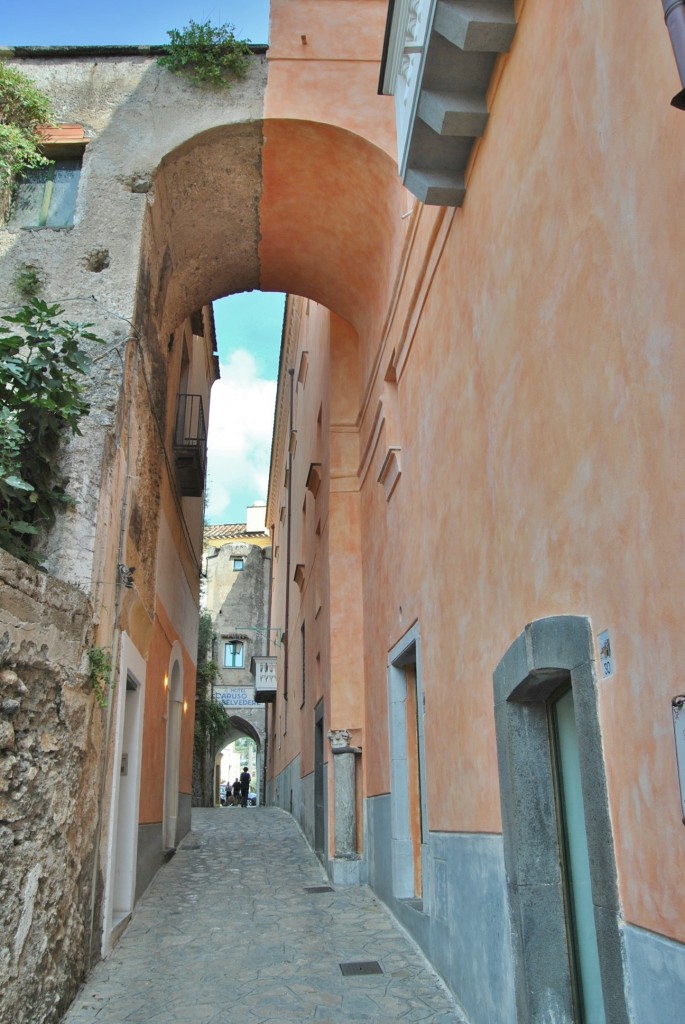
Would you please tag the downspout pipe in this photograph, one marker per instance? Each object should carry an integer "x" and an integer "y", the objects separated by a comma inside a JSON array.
[
  {"x": 289, "y": 533},
  {"x": 674, "y": 14}
]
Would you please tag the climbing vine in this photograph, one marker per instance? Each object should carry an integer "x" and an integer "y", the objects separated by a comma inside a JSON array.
[
  {"x": 100, "y": 673},
  {"x": 23, "y": 109},
  {"x": 208, "y": 54},
  {"x": 211, "y": 719},
  {"x": 42, "y": 368}
]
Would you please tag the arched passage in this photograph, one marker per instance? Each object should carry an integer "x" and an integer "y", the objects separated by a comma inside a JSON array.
[
  {"x": 277, "y": 205},
  {"x": 239, "y": 728}
]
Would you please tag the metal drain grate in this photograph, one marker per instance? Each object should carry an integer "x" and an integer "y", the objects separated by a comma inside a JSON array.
[
  {"x": 361, "y": 967},
  {"x": 319, "y": 888}
]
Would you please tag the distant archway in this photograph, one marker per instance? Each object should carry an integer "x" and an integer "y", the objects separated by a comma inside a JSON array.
[{"x": 240, "y": 727}]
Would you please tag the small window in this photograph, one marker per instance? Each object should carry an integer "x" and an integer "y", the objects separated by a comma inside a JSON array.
[
  {"x": 238, "y": 564},
  {"x": 45, "y": 197},
  {"x": 234, "y": 656}
]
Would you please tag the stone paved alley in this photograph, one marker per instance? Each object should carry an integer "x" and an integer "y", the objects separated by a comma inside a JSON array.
[{"x": 227, "y": 934}]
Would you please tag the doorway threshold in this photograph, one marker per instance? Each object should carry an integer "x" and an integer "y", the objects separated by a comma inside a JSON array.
[{"x": 119, "y": 922}]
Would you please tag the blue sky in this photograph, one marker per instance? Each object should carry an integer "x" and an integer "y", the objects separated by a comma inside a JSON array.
[
  {"x": 248, "y": 325},
  {"x": 135, "y": 22}
]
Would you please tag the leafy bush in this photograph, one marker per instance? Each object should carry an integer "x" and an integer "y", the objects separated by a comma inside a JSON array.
[
  {"x": 100, "y": 673},
  {"x": 23, "y": 108},
  {"x": 207, "y": 54},
  {"x": 211, "y": 719},
  {"x": 42, "y": 365}
]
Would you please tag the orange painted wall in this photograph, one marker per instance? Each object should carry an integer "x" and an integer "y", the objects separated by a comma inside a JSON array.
[
  {"x": 332, "y": 78},
  {"x": 537, "y": 336},
  {"x": 308, "y": 542},
  {"x": 154, "y": 721}
]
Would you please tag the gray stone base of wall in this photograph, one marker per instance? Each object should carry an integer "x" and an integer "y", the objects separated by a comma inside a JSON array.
[
  {"x": 656, "y": 967},
  {"x": 296, "y": 795},
  {"x": 286, "y": 792},
  {"x": 183, "y": 820},
  {"x": 461, "y": 921},
  {"x": 150, "y": 856},
  {"x": 346, "y": 870},
  {"x": 151, "y": 852}
]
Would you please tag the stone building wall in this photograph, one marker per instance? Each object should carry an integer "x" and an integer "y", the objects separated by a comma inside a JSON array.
[{"x": 50, "y": 746}]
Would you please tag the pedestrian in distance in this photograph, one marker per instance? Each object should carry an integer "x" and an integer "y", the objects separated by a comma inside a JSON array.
[
  {"x": 237, "y": 792},
  {"x": 245, "y": 779}
]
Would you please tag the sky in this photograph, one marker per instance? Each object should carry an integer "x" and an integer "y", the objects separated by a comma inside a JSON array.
[
  {"x": 248, "y": 325},
  {"x": 126, "y": 22}
]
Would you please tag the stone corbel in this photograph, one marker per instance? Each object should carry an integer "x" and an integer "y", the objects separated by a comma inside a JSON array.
[{"x": 340, "y": 742}]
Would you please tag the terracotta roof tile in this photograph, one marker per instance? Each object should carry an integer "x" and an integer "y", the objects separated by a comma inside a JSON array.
[{"x": 225, "y": 530}]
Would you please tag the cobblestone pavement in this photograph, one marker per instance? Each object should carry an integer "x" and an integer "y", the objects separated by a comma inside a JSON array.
[{"x": 226, "y": 934}]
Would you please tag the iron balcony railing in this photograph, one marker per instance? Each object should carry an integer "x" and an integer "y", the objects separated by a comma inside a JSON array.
[{"x": 190, "y": 445}]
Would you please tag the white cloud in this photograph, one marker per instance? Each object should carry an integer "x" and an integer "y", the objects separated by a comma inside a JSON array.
[{"x": 239, "y": 438}]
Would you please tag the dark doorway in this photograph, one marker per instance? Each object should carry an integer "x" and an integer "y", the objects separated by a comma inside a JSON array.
[{"x": 318, "y": 781}]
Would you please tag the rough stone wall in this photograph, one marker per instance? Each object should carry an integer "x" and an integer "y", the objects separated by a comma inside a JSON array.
[
  {"x": 203, "y": 777},
  {"x": 50, "y": 743}
]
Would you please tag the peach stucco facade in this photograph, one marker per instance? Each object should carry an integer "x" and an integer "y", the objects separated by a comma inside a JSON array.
[
  {"x": 520, "y": 358},
  {"x": 475, "y": 472}
]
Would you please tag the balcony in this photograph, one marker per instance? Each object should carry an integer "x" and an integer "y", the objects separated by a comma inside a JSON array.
[
  {"x": 190, "y": 446},
  {"x": 439, "y": 59},
  {"x": 263, "y": 669}
]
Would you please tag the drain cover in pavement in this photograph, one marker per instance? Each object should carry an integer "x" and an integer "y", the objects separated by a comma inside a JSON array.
[
  {"x": 361, "y": 967},
  {"x": 319, "y": 888}
]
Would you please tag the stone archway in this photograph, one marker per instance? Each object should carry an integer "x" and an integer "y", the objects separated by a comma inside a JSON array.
[
  {"x": 247, "y": 724},
  {"x": 276, "y": 206}
]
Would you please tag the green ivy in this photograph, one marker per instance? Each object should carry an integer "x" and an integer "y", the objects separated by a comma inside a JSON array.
[
  {"x": 207, "y": 54},
  {"x": 29, "y": 280},
  {"x": 100, "y": 673},
  {"x": 211, "y": 720},
  {"x": 42, "y": 369},
  {"x": 23, "y": 109}
]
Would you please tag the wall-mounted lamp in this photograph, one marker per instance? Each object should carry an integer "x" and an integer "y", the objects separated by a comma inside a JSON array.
[
  {"x": 185, "y": 706},
  {"x": 166, "y": 682}
]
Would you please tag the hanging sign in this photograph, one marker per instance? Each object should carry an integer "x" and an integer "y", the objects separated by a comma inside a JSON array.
[{"x": 236, "y": 697}]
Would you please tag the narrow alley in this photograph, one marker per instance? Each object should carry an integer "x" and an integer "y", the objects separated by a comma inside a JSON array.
[{"x": 228, "y": 932}]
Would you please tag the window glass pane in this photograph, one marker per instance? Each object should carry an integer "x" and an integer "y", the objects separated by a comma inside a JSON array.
[
  {"x": 28, "y": 198},
  {"x": 63, "y": 200},
  {"x": 237, "y": 564},
  {"x": 233, "y": 655},
  {"x": 46, "y": 196}
]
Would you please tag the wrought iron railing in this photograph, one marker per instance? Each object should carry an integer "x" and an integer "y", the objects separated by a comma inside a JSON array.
[{"x": 190, "y": 445}]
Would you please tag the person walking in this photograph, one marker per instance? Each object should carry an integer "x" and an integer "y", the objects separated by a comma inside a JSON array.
[
  {"x": 237, "y": 792},
  {"x": 245, "y": 779}
]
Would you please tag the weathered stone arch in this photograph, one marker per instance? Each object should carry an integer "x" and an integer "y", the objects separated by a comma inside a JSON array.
[
  {"x": 275, "y": 205},
  {"x": 239, "y": 726}
]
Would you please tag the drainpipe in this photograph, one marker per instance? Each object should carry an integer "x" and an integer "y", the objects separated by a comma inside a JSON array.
[
  {"x": 287, "y": 559},
  {"x": 674, "y": 14},
  {"x": 268, "y": 652}
]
